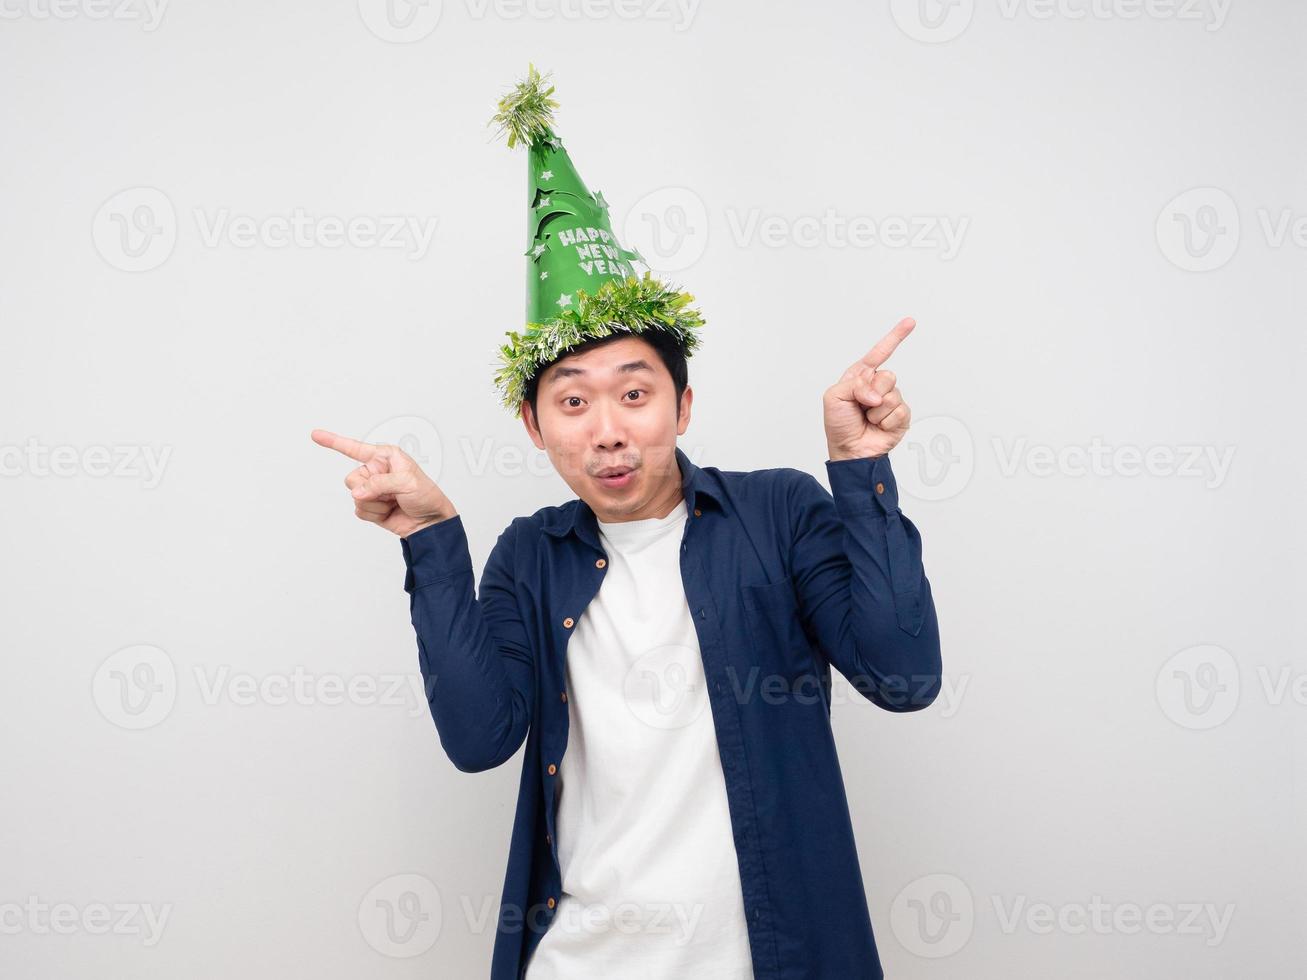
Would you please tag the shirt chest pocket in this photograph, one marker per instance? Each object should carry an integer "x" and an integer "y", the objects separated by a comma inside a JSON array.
[{"x": 776, "y": 642}]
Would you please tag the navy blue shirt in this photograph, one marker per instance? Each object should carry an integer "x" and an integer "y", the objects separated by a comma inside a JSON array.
[{"x": 784, "y": 581}]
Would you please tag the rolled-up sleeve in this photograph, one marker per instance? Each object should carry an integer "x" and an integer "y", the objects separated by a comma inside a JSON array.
[{"x": 857, "y": 566}]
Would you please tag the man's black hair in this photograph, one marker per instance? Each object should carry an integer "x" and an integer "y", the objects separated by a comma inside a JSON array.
[{"x": 665, "y": 344}]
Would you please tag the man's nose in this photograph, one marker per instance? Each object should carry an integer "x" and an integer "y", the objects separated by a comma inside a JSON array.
[{"x": 610, "y": 428}]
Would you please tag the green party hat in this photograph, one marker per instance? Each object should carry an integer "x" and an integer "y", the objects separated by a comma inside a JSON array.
[{"x": 579, "y": 281}]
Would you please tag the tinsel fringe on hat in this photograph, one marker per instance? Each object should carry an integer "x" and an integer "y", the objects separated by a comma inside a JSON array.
[{"x": 633, "y": 305}]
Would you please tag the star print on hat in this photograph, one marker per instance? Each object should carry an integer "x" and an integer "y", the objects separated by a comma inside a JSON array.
[{"x": 580, "y": 284}]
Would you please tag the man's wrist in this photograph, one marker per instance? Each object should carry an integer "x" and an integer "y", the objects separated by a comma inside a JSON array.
[
  {"x": 433, "y": 520},
  {"x": 837, "y": 455}
]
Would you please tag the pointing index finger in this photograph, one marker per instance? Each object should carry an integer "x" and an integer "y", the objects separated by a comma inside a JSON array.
[
  {"x": 353, "y": 448},
  {"x": 879, "y": 354}
]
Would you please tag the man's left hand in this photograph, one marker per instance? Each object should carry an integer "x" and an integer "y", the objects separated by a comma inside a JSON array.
[{"x": 865, "y": 413}]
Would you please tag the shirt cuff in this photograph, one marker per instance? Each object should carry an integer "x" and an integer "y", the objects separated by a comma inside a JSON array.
[
  {"x": 438, "y": 551},
  {"x": 863, "y": 485}
]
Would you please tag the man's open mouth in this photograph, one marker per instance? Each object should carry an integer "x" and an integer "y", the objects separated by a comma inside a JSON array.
[{"x": 615, "y": 476}]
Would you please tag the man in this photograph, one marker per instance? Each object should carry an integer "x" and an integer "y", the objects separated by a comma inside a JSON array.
[{"x": 663, "y": 644}]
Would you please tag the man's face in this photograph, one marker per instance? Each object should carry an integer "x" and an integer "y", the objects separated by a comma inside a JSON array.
[{"x": 613, "y": 407}]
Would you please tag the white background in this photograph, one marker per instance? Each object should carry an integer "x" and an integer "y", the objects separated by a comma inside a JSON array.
[{"x": 1119, "y": 739}]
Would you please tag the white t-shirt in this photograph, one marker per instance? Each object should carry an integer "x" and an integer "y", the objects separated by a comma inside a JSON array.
[{"x": 650, "y": 880}]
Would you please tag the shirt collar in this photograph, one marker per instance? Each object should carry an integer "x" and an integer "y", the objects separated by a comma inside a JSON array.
[{"x": 576, "y": 515}]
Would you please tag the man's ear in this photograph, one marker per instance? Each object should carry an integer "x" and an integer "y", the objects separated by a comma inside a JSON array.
[
  {"x": 683, "y": 413},
  {"x": 532, "y": 426}
]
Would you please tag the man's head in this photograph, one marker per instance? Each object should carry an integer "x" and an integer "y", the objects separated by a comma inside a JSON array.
[{"x": 615, "y": 403}]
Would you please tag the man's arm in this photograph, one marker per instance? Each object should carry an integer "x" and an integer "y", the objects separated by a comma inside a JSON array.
[
  {"x": 856, "y": 558},
  {"x": 857, "y": 567},
  {"x": 474, "y": 653}
]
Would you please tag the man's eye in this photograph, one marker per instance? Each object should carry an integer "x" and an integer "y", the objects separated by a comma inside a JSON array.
[
  {"x": 572, "y": 398},
  {"x": 635, "y": 391}
]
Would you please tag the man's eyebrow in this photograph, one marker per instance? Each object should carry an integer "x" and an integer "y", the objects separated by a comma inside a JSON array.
[{"x": 563, "y": 371}]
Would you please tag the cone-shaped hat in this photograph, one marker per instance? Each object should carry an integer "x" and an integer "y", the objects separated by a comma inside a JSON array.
[{"x": 579, "y": 281}]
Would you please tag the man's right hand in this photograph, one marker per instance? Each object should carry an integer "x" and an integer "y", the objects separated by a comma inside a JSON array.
[{"x": 389, "y": 488}]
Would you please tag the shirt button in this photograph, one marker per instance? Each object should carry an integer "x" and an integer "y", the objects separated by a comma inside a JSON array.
[
  {"x": 551, "y": 903},
  {"x": 548, "y": 839},
  {"x": 563, "y": 696},
  {"x": 698, "y": 512},
  {"x": 600, "y": 563},
  {"x": 552, "y": 769},
  {"x": 568, "y": 622},
  {"x": 880, "y": 488}
]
